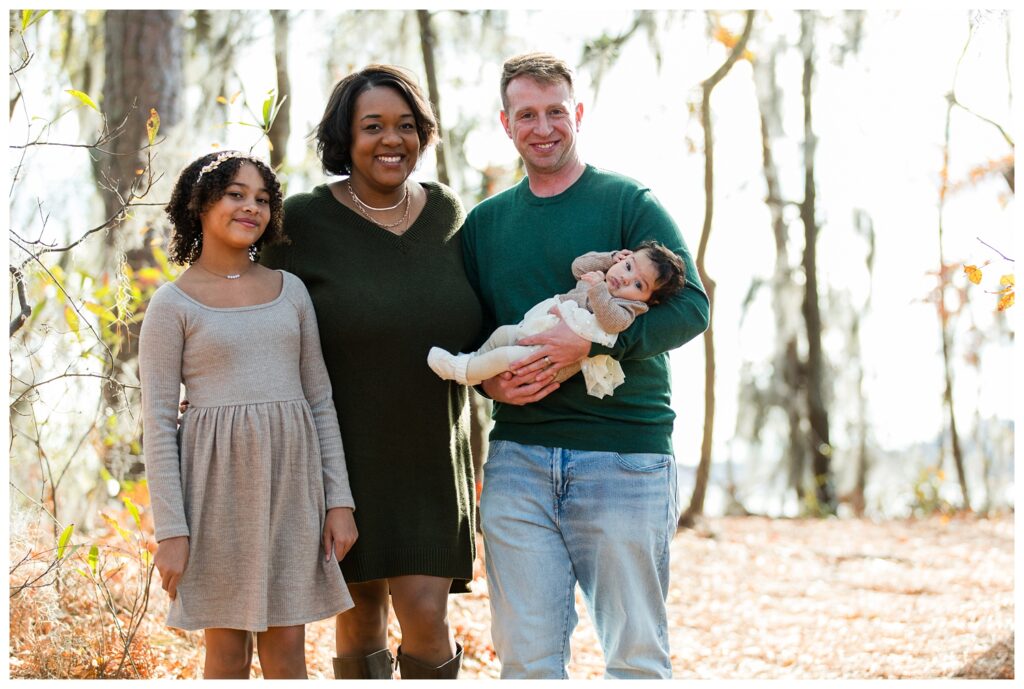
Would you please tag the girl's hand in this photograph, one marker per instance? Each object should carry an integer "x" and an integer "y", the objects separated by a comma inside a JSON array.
[
  {"x": 622, "y": 255},
  {"x": 594, "y": 277},
  {"x": 339, "y": 532},
  {"x": 171, "y": 560}
]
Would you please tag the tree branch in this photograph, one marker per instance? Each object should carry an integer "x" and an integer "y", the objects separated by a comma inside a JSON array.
[{"x": 19, "y": 279}]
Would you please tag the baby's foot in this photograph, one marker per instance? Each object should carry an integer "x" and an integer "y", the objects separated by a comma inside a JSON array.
[{"x": 448, "y": 366}]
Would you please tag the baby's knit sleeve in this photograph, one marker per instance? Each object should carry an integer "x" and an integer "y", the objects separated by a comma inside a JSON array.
[
  {"x": 594, "y": 260},
  {"x": 161, "y": 345},
  {"x": 316, "y": 385}
]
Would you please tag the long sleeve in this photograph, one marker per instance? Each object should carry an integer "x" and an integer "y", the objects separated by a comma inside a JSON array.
[
  {"x": 591, "y": 261},
  {"x": 316, "y": 386},
  {"x": 161, "y": 345}
]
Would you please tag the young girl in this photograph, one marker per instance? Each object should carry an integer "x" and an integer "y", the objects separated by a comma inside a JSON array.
[
  {"x": 613, "y": 288},
  {"x": 251, "y": 497}
]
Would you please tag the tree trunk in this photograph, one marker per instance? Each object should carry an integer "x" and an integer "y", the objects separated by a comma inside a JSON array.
[
  {"x": 944, "y": 324},
  {"x": 282, "y": 123},
  {"x": 787, "y": 381},
  {"x": 143, "y": 69},
  {"x": 696, "y": 508},
  {"x": 857, "y": 499},
  {"x": 427, "y": 43},
  {"x": 820, "y": 446},
  {"x": 143, "y": 65}
]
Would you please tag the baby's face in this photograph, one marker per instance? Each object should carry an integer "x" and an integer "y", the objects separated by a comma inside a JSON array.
[{"x": 634, "y": 277}]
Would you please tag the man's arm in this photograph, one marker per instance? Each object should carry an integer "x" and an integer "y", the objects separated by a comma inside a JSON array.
[
  {"x": 678, "y": 319},
  {"x": 667, "y": 326}
]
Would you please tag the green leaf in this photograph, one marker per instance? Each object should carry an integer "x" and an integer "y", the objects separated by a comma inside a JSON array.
[
  {"x": 133, "y": 510},
  {"x": 65, "y": 536},
  {"x": 30, "y": 17},
  {"x": 84, "y": 97},
  {"x": 94, "y": 557},
  {"x": 268, "y": 106}
]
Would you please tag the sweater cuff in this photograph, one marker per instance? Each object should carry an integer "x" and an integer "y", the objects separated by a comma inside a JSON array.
[
  {"x": 331, "y": 504},
  {"x": 171, "y": 532}
]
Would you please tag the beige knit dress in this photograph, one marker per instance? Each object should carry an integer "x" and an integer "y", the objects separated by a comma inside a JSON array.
[{"x": 261, "y": 458}]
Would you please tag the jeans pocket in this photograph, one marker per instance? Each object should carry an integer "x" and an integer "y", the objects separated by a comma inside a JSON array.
[{"x": 643, "y": 461}]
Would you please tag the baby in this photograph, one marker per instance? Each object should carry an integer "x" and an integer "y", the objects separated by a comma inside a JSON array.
[{"x": 613, "y": 288}]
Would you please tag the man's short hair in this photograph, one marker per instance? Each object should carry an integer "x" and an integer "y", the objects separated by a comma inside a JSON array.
[{"x": 542, "y": 67}]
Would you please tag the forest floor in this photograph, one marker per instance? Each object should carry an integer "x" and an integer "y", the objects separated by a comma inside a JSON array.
[{"x": 754, "y": 598}]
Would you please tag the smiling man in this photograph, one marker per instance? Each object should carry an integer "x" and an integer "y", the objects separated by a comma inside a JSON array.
[{"x": 576, "y": 489}]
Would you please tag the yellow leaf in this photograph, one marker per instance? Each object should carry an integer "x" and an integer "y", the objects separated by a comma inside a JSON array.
[
  {"x": 83, "y": 97},
  {"x": 235, "y": 96},
  {"x": 152, "y": 125},
  {"x": 222, "y": 100},
  {"x": 101, "y": 311},
  {"x": 117, "y": 527},
  {"x": 1005, "y": 301},
  {"x": 726, "y": 37},
  {"x": 1006, "y": 280},
  {"x": 71, "y": 317},
  {"x": 149, "y": 275},
  {"x": 973, "y": 274},
  {"x": 160, "y": 256}
]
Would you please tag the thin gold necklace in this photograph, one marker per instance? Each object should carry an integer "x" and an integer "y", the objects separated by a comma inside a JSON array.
[
  {"x": 221, "y": 275},
  {"x": 364, "y": 209},
  {"x": 367, "y": 206}
]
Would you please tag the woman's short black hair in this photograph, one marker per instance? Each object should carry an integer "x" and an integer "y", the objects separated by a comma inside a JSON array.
[
  {"x": 202, "y": 184},
  {"x": 334, "y": 133},
  {"x": 670, "y": 268}
]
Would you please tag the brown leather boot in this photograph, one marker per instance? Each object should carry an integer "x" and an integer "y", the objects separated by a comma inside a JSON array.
[
  {"x": 410, "y": 668},
  {"x": 378, "y": 665}
]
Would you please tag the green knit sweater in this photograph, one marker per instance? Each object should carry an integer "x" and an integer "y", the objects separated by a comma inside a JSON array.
[
  {"x": 518, "y": 250},
  {"x": 382, "y": 301}
]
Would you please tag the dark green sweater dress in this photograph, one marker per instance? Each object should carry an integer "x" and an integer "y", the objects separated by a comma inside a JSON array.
[{"x": 382, "y": 301}]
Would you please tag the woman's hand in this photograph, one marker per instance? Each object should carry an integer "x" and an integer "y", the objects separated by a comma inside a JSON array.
[
  {"x": 339, "y": 532},
  {"x": 592, "y": 278},
  {"x": 171, "y": 560}
]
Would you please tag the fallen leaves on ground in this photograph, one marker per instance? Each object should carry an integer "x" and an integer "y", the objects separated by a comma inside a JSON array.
[{"x": 759, "y": 598}]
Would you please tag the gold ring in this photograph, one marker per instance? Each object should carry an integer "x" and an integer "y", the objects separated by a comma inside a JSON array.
[{"x": 547, "y": 360}]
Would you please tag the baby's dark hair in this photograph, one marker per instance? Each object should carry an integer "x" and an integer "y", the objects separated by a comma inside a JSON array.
[
  {"x": 671, "y": 270},
  {"x": 202, "y": 184}
]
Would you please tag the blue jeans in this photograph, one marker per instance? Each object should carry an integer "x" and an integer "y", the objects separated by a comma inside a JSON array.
[{"x": 553, "y": 517}]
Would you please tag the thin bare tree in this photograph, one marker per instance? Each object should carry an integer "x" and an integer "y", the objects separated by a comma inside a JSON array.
[{"x": 696, "y": 507}]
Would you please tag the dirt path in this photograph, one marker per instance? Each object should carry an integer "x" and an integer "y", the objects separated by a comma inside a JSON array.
[{"x": 772, "y": 599}]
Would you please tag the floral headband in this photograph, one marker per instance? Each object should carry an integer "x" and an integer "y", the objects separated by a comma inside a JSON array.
[{"x": 221, "y": 157}]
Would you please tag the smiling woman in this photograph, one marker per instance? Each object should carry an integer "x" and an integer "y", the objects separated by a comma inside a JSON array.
[{"x": 382, "y": 261}]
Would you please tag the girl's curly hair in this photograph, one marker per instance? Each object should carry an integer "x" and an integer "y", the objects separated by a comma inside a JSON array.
[{"x": 196, "y": 190}]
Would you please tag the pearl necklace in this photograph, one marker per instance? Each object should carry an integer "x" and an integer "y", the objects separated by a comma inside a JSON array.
[
  {"x": 365, "y": 208},
  {"x": 220, "y": 275}
]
